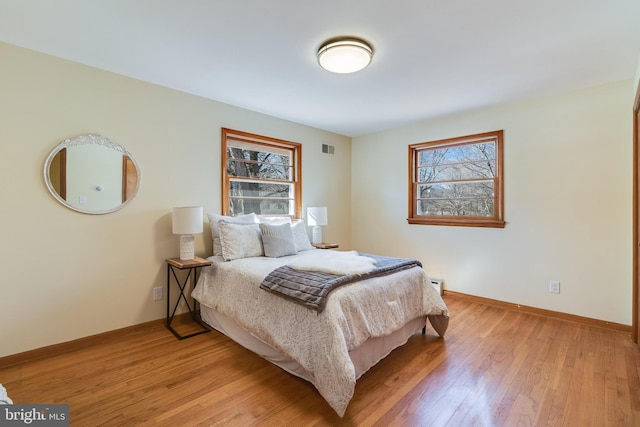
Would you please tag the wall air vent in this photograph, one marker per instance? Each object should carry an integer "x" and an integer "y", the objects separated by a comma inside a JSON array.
[{"x": 327, "y": 149}]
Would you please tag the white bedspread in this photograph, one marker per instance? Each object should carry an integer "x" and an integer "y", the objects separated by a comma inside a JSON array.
[{"x": 320, "y": 342}]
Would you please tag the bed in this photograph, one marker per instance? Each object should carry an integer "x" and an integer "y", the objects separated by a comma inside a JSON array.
[{"x": 331, "y": 345}]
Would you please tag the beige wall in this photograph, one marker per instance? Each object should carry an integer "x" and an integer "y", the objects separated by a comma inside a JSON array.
[
  {"x": 568, "y": 164},
  {"x": 68, "y": 275}
]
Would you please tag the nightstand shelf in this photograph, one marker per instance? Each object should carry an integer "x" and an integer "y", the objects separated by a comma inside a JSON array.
[{"x": 193, "y": 266}]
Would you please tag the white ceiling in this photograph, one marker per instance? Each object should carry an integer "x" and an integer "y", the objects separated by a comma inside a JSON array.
[{"x": 432, "y": 57}]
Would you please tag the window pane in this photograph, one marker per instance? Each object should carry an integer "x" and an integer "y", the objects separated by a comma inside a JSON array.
[
  {"x": 456, "y": 154},
  {"x": 475, "y": 189},
  {"x": 262, "y": 198},
  {"x": 456, "y": 207},
  {"x": 264, "y": 156},
  {"x": 260, "y": 189},
  {"x": 244, "y": 169},
  {"x": 457, "y": 163},
  {"x": 260, "y": 206},
  {"x": 460, "y": 199},
  {"x": 245, "y": 162},
  {"x": 458, "y": 171},
  {"x": 259, "y": 145}
]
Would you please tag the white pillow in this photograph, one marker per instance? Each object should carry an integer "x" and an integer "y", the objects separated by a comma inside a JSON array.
[
  {"x": 251, "y": 218},
  {"x": 300, "y": 236},
  {"x": 273, "y": 219},
  {"x": 277, "y": 240},
  {"x": 240, "y": 240}
]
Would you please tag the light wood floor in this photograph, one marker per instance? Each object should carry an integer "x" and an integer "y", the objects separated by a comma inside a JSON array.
[{"x": 494, "y": 368}]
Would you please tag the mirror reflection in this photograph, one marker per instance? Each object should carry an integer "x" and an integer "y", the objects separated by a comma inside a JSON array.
[{"x": 91, "y": 174}]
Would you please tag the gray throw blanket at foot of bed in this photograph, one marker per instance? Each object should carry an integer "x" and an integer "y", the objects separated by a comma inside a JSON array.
[{"x": 311, "y": 288}]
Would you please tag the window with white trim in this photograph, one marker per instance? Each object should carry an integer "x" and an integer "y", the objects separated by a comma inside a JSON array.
[
  {"x": 260, "y": 175},
  {"x": 457, "y": 181}
]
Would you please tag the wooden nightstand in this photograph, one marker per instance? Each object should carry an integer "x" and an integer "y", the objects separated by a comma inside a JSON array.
[
  {"x": 325, "y": 245},
  {"x": 193, "y": 266}
]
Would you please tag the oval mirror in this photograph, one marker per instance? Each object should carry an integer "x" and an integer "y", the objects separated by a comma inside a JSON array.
[{"x": 92, "y": 174}]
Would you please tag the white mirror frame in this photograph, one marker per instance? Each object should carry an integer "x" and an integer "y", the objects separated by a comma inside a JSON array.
[{"x": 89, "y": 139}]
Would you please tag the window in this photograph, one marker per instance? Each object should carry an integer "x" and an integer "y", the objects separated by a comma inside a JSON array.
[
  {"x": 260, "y": 175},
  {"x": 457, "y": 181}
]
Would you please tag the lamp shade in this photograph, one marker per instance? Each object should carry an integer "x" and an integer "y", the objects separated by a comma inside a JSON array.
[
  {"x": 187, "y": 220},
  {"x": 317, "y": 216}
]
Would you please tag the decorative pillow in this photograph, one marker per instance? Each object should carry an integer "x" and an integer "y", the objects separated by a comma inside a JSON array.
[
  {"x": 215, "y": 234},
  {"x": 240, "y": 240},
  {"x": 277, "y": 240},
  {"x": 274, "y": 220},
  {"x": 300, "y": 236}
]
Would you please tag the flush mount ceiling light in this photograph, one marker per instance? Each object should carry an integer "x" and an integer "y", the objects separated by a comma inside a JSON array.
[{"x": 344, "y": 55}]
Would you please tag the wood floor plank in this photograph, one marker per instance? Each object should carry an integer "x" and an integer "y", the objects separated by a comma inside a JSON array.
[{"x": 495, "y": 367}]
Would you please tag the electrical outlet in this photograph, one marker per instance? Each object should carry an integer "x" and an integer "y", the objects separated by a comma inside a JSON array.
[
  {"x": 157, "y": 293},
  {"x": 554, "y": 286}
]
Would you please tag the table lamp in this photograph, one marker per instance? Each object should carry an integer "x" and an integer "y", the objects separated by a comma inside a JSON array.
[
  {"x": 187, "y": 221},
  {"x": 316, "y": 216}
]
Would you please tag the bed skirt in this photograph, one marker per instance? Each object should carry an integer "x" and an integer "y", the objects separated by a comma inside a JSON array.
[{"x": 363, "y": 357}]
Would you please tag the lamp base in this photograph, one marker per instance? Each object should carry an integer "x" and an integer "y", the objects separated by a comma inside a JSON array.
[
  {"x": 316, "y": 234},
  {"x": 187, "y": 247}
]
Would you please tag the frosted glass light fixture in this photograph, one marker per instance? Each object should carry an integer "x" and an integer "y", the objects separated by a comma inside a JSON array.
[
  {"x": 316, "y": 217},
  {"x": 187, "y": 221},
  {"x": 345, "y": 55}
]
